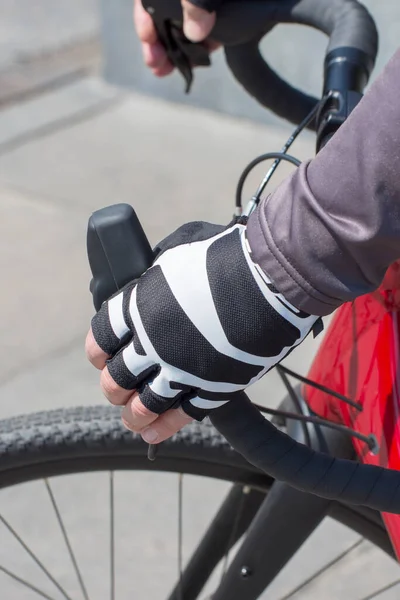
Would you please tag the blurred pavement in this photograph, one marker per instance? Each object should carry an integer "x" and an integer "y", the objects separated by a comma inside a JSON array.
[
  {"x": 63, "y": 155},
  {"x": 33, "y": 27}
]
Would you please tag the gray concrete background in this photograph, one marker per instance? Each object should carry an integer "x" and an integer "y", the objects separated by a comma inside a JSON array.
[
  {"x": 295, "y": 52},
  {"x": 32, "y": 27}
]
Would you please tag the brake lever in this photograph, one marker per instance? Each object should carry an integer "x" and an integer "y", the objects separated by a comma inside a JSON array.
[
  {"x": 118, "y": 251},
  {"x": 182, "y": 53}
]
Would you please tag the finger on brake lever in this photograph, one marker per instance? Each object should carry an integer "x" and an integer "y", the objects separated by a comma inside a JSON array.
[{"x": 182, "y": 53}]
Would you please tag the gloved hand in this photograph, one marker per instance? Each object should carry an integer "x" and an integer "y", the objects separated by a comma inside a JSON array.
[{"x": 204, "y": 321}]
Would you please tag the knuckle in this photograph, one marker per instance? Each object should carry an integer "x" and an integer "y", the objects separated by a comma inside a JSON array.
[
  {"x": 111, "y": 389},
  {"x": 127, "y": 425},
  {"x": 135, "y": 416},
  {"x": 139, "y": 409},
  {"x": 184, "y": 417},
  {"x": 133, "y": 427},
  {"x": 143, "y": 23}
]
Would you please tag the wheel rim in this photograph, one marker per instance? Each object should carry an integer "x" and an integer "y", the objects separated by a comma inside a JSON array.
[{"x": 127, "y": 511}]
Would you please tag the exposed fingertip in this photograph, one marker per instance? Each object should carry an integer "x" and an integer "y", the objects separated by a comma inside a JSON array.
[{"x": 163, "y": 71}]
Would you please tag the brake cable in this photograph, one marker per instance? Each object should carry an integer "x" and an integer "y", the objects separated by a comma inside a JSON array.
[
  {"x": 278, "y": 156},
  {"x": 370, "y": 439},
  {"x": 322, "y": 388}
]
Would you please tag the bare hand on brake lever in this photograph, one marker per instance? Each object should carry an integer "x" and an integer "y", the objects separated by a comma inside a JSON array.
[{"x": 197, "y": 25}]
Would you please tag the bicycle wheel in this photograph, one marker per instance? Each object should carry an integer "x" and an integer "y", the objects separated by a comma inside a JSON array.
[{"x": 88, "y": 447}]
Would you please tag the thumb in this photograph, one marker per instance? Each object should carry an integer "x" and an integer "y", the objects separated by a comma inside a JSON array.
[{"x": 197, "y": 23}]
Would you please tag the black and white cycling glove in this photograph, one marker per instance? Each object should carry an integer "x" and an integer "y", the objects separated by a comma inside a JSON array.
[{"x": 204, "y": 321}]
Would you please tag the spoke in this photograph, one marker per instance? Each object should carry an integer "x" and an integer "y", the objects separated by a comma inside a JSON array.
[
  {"x": 381, "y": 590},
  {"x": 26, "y": 583},
  {"x": 180, "y": 494},
  {"x": 323, "y": 569},
  {"x": 34, "y": 557},
  {"x": 245, "y": 490},
  {"x": 112, "y": 538},
  {"x": 66, "y": 539}
]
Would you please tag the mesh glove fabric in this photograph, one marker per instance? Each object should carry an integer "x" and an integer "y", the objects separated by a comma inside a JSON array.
[{"x": 204, "y": 321}]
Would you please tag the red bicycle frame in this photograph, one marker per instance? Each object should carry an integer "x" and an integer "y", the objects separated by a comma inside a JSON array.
[{"x": 360, "y": 358}]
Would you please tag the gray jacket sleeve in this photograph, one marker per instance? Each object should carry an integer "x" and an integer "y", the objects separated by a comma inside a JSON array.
[{"x": 330, "y": 231}]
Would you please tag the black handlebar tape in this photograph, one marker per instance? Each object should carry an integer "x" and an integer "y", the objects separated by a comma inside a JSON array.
[
  {"x": 281, "y": 457},
  {"x": 241, "y": 25},
  {"x": 260, "y": 81},
  {"x": 347, "y": 23}
]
